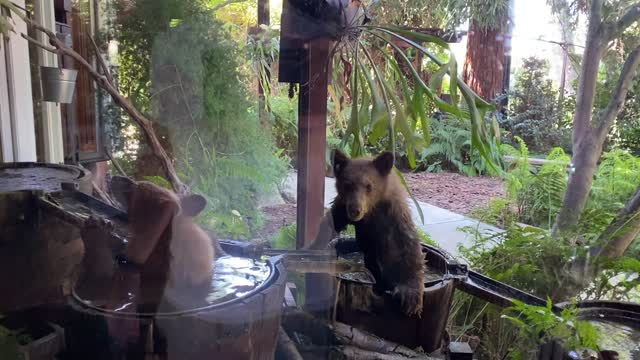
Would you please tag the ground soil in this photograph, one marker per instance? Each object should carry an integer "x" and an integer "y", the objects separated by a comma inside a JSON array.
[
  {"x": 454, "y": 192},
  {"x": 276, "y": 217},
  {"x": 450, "y": 191}
]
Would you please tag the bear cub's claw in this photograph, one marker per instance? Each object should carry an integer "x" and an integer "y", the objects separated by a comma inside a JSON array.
[{"x": 409, "y": 298}]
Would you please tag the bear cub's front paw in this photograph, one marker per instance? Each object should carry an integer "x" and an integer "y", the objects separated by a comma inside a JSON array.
[{"x": 409, "y": 298}]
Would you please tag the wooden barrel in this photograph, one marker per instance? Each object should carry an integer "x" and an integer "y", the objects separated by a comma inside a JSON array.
[
  {"x": 618, "y": 324},
  {"x": 382, "y": 316},
  {"x": 39, "y": 254},
  {"x": 242, "y": 328},
  {"x": 20, "y": 176}
]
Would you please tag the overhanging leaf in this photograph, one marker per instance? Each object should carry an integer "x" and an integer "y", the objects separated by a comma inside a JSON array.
[{"x": 415, "y": 201}]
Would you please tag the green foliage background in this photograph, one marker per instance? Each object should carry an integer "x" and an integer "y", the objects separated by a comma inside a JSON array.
[{"x": 182, "y": 66}]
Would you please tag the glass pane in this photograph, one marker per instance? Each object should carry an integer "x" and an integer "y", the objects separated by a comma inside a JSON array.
[{"x": 332, "y": 179}]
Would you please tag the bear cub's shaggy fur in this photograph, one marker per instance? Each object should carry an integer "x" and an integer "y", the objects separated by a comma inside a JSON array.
[
  {"x": 164, "y": 235},
  {"x": 372, "y": 198}
]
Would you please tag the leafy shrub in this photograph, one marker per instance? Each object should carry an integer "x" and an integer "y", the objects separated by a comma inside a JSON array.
[
  {"x": 525, "y": 257},
  {"x": 619, "y": 280},
  {"x": 615, "y": 181},
  {"x": 450, "y": 149},
  {"x": 284, "y": 121},
  {"x": 10, "y": 341},
  {"x": 534, "y": 108},
  {"x": 498, "y": 212},
  {"x": 285, "y": 238},
  {"x": 539, "y": 325},
  {"x": 200, "y": 98},
  {"x": 537, "y": 193}
]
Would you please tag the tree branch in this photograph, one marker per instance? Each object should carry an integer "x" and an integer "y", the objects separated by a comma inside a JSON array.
[
  {"x": 616, "y": 103},
  {"x": 589, "y": 68},
  {"x": 621, "y": 232},
  {"x": 144, "y": 123},
  {"x": 627, "y": 19},
  {"x": 100, "y": 60},
  {"x": 39, "y": 44}
]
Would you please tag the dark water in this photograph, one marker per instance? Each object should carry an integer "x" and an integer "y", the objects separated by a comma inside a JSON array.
[
  {"x": 365, "y": 277},
  {"x": 625, "y": 339},
  {"x": 233, "y": 278}
]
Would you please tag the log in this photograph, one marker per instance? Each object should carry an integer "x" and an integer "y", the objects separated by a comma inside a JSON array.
[
  {"x": 321, "y": 332},
  {"x": 349, "y": 335},
  {"x": 286, "y": 348},
  {"x": 347, "y": 352}
]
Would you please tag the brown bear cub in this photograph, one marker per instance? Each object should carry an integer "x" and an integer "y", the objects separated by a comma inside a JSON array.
[
  {"x": 372, "y": 198},
  {"x": 164, "y": 235}
]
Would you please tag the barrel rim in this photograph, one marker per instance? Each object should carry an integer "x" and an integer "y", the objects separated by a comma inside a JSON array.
[
  {"x": 78, "y": 171},
  {"x": 428, "y": 285},
  {"x": 614, "y": 310},
  {"x": 276, "y": 272}
]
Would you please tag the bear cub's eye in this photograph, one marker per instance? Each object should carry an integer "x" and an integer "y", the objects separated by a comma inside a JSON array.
[{"x": 369, "y": 187}]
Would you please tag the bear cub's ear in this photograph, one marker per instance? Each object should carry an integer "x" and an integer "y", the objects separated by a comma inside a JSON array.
[
  {"x": 122, "y": 188},
  {"x": 192, "y": 205},
  {"x": 340, "y": 160},
  {"x": 384, "y": 163}
]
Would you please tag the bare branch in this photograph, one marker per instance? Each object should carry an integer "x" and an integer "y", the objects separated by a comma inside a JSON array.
[
  {"x": 39, "y": 44},
  {"x": 627, "y": 19},
  {"x": 100, "y": 60},
  {"x": 115, "y": 163},
  {"x": 102, "y": 81},
  {"x": 616, "y": 103}
]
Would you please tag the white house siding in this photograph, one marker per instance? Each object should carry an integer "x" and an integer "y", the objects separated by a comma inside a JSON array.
[{"x": 16, "y": 113}]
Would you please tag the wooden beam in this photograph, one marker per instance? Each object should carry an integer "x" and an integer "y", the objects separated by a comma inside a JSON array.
[{"x": 312, "y": 140}]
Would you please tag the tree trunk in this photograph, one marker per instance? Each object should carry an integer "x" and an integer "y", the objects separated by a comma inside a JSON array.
[
  {"x": 585, "y": 150},
  {"x": 585, "y": 163},
  {"x": 483, "y": 67},
  {"x": 623, "y": 229}
]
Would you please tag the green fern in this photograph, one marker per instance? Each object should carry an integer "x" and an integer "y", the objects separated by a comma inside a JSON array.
[
  {"x": 450, "y": 145},
  {"x": 539, "y": 325},
  {"x": 616, "y": 179}
]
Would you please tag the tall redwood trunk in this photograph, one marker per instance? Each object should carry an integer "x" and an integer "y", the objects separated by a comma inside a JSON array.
[{"x": 484, "y": 63}]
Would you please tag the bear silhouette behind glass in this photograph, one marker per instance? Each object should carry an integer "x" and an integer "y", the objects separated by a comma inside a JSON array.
[
  {"x": 164, "y": 238},
  {"x": 372, "y": 198}
]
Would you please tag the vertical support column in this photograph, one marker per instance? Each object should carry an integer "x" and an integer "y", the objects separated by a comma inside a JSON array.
[
  {"x": 264, "y": 15},
  {"x": 312, "y": 140},
  {"x": 312, "y": 130},
  {"x": 6, "y": 140},
  {"x": 51, "y": 116},
  {"x": 18, "y": 77}
]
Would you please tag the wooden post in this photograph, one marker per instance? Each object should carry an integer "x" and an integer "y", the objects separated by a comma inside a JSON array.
[
  {"x": 312, "y": 140},
  {"x": 312, "y": 127}
]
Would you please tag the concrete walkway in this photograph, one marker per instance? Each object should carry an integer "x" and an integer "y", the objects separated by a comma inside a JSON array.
[{"x": 442, "y": 225}]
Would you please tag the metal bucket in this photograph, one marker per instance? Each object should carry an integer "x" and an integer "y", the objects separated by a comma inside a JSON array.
[{"x": 58, "y": 84}]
